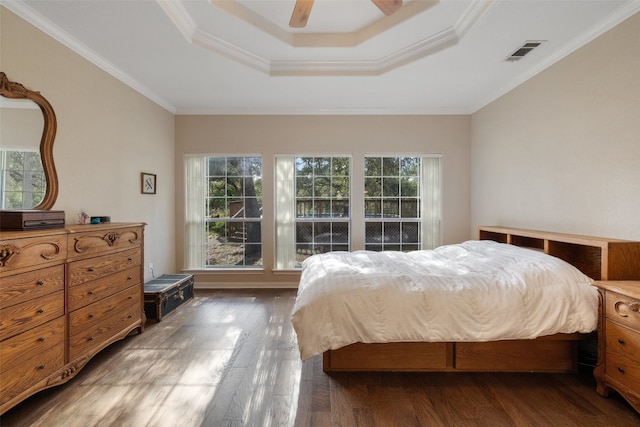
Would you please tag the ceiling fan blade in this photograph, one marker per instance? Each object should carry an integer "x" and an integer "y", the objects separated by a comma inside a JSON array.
[
  {"x": 300, "y": 14},
  {"x": 388, "y": 6}
]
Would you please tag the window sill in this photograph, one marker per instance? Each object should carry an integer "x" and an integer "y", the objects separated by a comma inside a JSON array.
[
  {"x": 224, "y": 270},
  {"x": 287, "y": 272}
]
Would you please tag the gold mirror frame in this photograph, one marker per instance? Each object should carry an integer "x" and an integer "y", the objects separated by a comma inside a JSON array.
[{"x": 14, "y": 90}]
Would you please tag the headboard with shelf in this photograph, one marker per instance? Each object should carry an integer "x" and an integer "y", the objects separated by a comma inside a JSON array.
[{"x": 597, "y": 257}]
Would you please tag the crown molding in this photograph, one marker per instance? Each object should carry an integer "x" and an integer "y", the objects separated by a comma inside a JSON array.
[
  {"x": 318, "y": 39},
  {"x": 180, "y": 18},
  {"x": 34, "y": 18},
  {"x": 190, "y": 32},
  {"x": 231, "y": 51},
  {"x": 321, "y": 112},
  {"x": 612, "y": 20},
  {"x": 400, "y": 57}
]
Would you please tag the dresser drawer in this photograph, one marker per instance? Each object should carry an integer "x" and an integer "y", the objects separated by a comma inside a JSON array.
[
  {"x": 35, "y": 341},
  {"x": 34, "y": 367},
  {"x": 91, "y": 326},
  {"x": 623, "y": 370},
  {"x": 18, "y": 255},
  {"x": 623, "y": 309},
  {"x": 90, "y": 292},
  {"x": 103, "y": 241},
  {"x": 29, "y": 314},
  {"x": 33, "y": 284},
  {"x": 96, "y": 268},
  {"x": 622, "y": 341}
]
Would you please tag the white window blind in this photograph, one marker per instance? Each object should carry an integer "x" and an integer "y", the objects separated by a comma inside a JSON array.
[
  {"x": 431, "y": 202},
  {"x": 285, "y": 212},
  {"x": 195, "y": 232}
]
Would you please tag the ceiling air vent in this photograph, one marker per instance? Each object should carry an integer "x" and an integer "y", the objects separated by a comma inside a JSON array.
[{"x": 523, "y": 50}]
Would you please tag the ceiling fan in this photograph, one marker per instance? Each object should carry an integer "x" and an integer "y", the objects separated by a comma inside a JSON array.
[{"x": 302, "y": 9}]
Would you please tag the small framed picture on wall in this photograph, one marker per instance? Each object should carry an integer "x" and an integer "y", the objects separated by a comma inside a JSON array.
[{"x": 148, "y": 183}]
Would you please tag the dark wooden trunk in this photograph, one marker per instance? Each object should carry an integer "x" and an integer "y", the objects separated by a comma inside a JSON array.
[{"x": 166, "y": 293}]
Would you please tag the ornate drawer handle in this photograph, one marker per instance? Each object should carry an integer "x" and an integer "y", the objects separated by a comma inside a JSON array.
[
  {"x": 634, "y": 307},
  {"x": 40, "y": 282},
  {"x": 621, "y": 369},
  {"x": 41, "y": 339},
  {"x": 41, "y": 310},
  {"x": 620, "y": 341},
  {"x": 90, "y": 339},
  {"x": 90, "y": 315},
  {"x": 129, "y": 277},
  {"x": 41, "y": 367},
  {"x": 90, "y": 269},
  {"x": 90, "y": 292}
]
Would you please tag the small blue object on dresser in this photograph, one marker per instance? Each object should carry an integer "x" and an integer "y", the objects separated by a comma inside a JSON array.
[{"x": 162, "y": 295}]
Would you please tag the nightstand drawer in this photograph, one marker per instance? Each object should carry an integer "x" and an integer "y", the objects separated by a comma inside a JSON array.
[
  {"x": 623, "y": 309},
  {"x": 624, "y": 370},
  {"x": 622, "y": 341}
]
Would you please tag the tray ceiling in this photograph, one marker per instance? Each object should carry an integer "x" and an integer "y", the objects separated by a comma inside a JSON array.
[{"x": 241, "y": 56}]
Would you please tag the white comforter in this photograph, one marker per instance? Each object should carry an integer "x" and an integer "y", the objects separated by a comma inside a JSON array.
[{"x": 474, "y": 291}]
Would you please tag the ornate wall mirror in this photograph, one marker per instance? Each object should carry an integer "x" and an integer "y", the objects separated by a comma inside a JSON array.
[{"x": 28, "y": 126}]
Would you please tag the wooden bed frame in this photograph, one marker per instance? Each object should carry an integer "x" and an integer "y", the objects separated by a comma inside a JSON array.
[{"x": 598, "y": 258}]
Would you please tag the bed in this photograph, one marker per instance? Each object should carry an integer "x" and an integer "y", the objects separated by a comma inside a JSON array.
[{"x": 460, "y": 322}]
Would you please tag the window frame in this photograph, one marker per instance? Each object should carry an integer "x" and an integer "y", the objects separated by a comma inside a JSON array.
[
  {"x": 317, "y": 225},
  {"x": 389, "y": 199},
  {"x": 198, "y": 212},
  {"x": 289, "y": 249}
]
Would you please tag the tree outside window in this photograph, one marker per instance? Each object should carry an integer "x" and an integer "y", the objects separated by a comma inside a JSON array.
[{"x": 233, "y": 215}]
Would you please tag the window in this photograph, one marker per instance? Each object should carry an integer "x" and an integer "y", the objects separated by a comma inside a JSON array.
[
  {"x": 398, "y": 207},
  {"x": 224, "y": 211},
  {"x": 392, "y": 208},
  {"x": 312, "y": 207},
  {"x": 22, "y": 179},
  {"x": 401, "y": 203}
]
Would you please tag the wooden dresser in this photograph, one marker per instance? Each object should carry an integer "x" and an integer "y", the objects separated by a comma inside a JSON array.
[
  {"x": 65, "y": 294},
  {"x": 619, "y": 340}
]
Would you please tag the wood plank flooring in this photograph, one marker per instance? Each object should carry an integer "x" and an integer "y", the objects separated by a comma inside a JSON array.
[{"x": 230, "y": 358}]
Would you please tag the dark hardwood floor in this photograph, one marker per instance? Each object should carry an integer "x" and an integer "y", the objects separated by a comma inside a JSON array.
[{"x": 229, "y": 358}]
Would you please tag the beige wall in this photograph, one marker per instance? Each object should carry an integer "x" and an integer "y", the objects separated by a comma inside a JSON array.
[
  {"x": 562, "y": 151},
  {"x": 107, "y": 134},
  {"x": 356, "y": 135}
]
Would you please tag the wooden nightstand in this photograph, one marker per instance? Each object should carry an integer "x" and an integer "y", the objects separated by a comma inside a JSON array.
[{"x": 619, "y": 340}]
